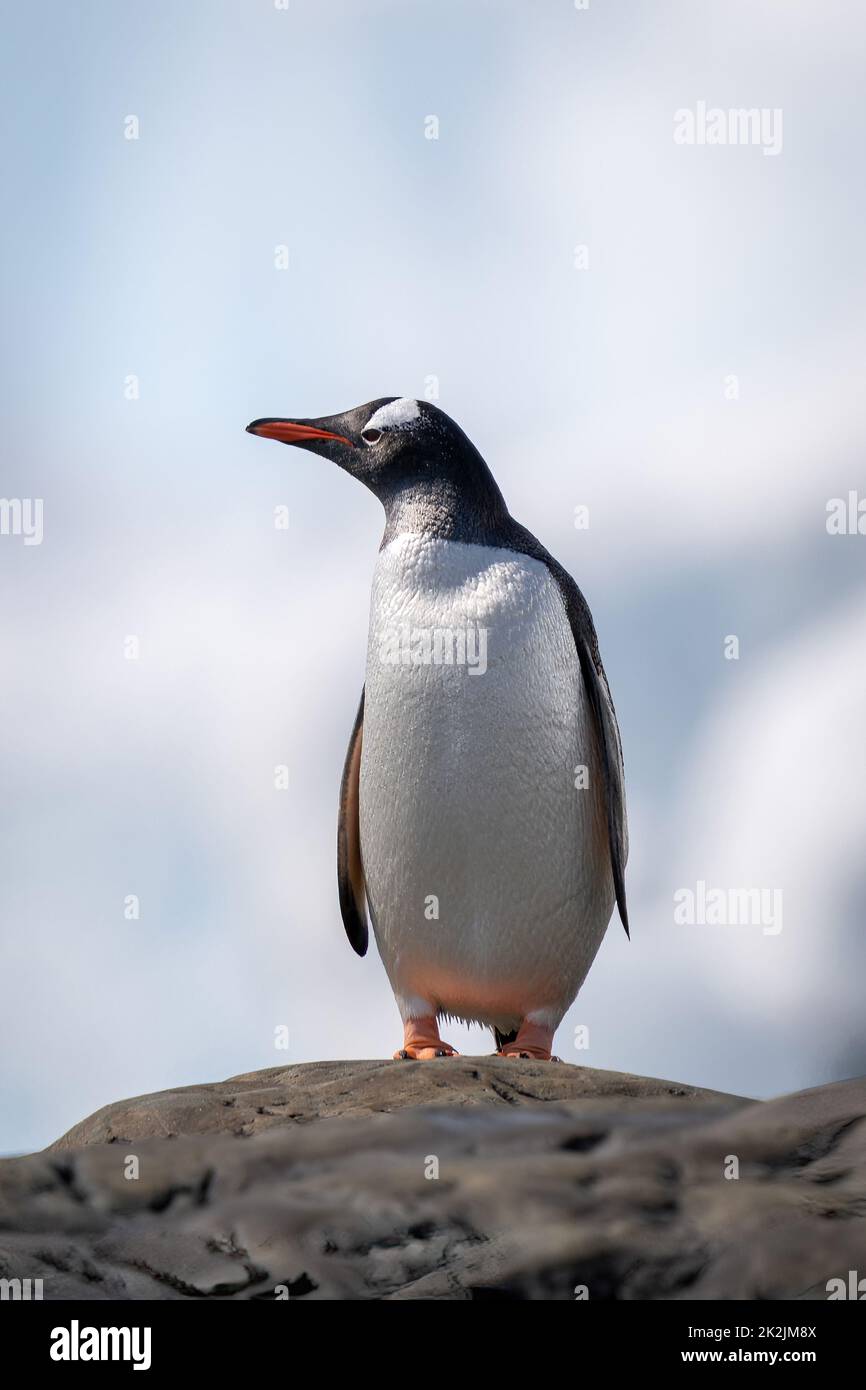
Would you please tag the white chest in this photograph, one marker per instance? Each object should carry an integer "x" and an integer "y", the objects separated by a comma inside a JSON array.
[{"x": 485, "y": 862}]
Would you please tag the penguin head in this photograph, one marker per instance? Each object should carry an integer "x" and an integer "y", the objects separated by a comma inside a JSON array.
[{"x": 393, "y": 445}]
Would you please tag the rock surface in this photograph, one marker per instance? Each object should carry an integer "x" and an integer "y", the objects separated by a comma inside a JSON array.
[
  {"x": 260, "y": 1100},
  {"x": 456, "y": 1179}
]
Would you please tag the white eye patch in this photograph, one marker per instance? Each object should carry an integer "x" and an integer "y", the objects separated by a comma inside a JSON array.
[{"x": 401, "y": 412}]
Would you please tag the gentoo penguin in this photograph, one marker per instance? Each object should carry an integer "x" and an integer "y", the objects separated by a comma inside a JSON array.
[{"x": 482, "y": 812}]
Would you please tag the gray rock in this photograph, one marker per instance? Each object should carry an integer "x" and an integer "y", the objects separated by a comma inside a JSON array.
[
  {"x": 260, "y": 1100},
  {"x": 318, "y": 1179}
]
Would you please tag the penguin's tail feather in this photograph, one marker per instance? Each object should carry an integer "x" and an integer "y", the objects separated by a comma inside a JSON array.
[{"x": 503, "y": 1039}]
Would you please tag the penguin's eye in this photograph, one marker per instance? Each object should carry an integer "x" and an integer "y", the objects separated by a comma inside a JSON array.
[{"x": 371, "y": 436}]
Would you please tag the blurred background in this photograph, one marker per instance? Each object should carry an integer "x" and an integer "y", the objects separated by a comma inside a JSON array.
[{"x": 672, "y": 336}]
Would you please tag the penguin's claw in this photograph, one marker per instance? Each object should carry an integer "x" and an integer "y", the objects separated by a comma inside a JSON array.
[
  {"x": 421, "y": 1042},
  {"x": 532, "y": 1042},
  {"x": 538, "y": 1054},
  {"x": 415, "y": 1053}
]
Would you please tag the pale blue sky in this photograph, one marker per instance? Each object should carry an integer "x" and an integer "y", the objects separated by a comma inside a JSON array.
[{"x": 411, "y": 258}]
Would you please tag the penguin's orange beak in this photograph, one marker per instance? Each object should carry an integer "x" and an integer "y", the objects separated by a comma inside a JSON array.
[{"x": 291, "y": 432}]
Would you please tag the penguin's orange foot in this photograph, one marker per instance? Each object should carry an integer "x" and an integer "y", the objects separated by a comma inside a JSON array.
[
  {"x": 532, "y": 1041},
  {"x": 538, "y": 1054},
  {"x": 421, "y": 1042},
  {"x": 424, "y": 1054}
]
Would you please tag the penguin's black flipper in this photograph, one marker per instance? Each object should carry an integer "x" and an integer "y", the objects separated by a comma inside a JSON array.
[
  {"x": 598, "y": 690},
  {"x": 605, "y": 719},
  {"x": 350, "y": 871}
]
